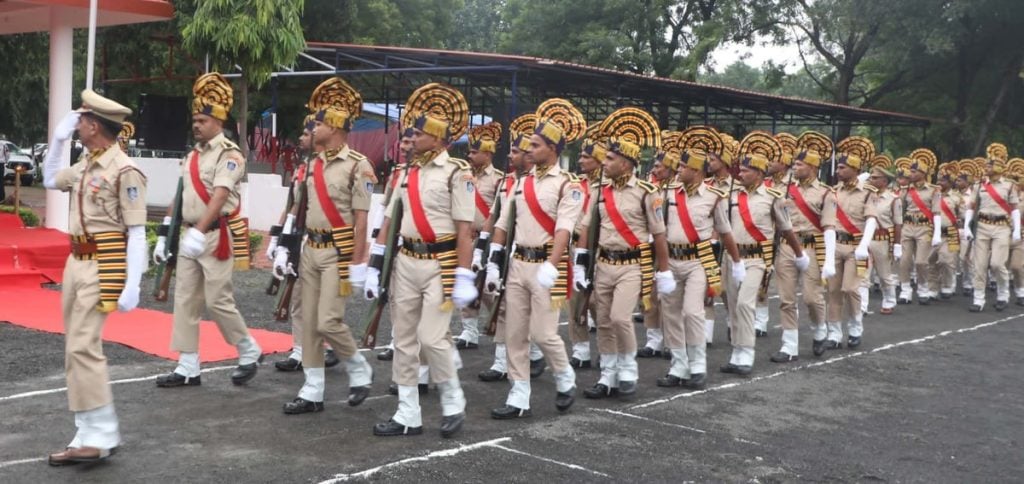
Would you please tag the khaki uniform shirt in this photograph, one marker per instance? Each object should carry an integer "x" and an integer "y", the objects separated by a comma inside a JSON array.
[
  {"x": 350, "y": 180},
  {"x": 559, "y": 194},
  {"x": 987, "y": 206},
  {"x": 220, "y": 165},
  {"x": 724, "y": 184},
  {"x": 707, "y": 211},
  {"x": 955, "y": 202},
  {"x": 815, "y": 195},
  {"x": 397, "y": 175},
  {"x": 857, "y": 201},
  {"x": 888, "y": 210},
  {"x": 487, "y": 183},
  {"x": 929, "y": 194},
  {"x": 766, "y": 211},
  {"x": 446, "y": 194},
  {"x": 639, "y": 203},
  {"x": 112, "y": 189}
]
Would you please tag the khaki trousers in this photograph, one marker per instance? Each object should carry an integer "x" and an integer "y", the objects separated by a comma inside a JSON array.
[
  {"x": 652, "y": 317},
  {"x": 530, "y": 317},
  {"x": 966, "y": 264},
  {"x": 683, "y": 310},
  {"x": 844, "y": 286},
  {"x": 742, "y": 301},
  {"x": 420, "y": 325},
  {"x": 617, "y": 290},
  {"x": 917, "y": 248},
  {"x": 295, "y": 310},
  {"x": 991, "y": 252},
  {"x": 1017, "y": 265},
  {"x": 943, "y": 269},
  {"x": 205, "y": 282},
  {"x": 86, "y": 367},
  {"x": 787, "y": 277},
  {"x": 881, "y": 261},
  {"x": 324, "y": 308}
]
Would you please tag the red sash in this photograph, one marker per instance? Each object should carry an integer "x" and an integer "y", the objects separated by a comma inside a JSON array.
[
  {"x": 510, "y": 182},
  {"x": 300, "y": 173},
  {"x": 416, "y": 206},
  {"x": 801, "y": 204},
  {"x": 481, "y": 205},
  {"x": 946, "y": 210},
  {"x": 326, "y": 204},
  {"x": 684, "y": 217},
  {"x": 538, "y": 212},
  {"x": 920, "y": 203},
  {"x": 998, "y": 199},
  {"x": 223, "y": 251},
  {"x": 769, "y": 183},
  {"x": 616, "y": 218},
  {"x": 586, "y": 194},
  {"x": 748, "y": 222},
  {"x": 844, "y": 220},
  {"x": 394, "y": 180}
]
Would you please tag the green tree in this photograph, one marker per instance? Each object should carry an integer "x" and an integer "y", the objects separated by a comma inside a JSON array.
[{"x": 259, "y": 36}]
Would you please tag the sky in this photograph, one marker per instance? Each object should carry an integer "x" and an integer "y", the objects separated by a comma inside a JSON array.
[{"x": 757, "y": 55}]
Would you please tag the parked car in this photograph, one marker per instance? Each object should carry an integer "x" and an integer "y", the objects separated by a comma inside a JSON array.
[{"x": 28, "y": 168}]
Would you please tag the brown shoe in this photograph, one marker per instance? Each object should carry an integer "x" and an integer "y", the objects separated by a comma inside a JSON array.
[
  {"x": 72, "y": 456},
  {"x": 885, "y": 311}
]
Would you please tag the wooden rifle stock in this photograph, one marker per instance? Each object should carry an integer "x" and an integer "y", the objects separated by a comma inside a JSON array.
[
  {"x": 492, "y": 322},
  {"x": 165, "y": 270},
  {"x": 369, "y": 339},
  {"x": 282, "y": 311}
]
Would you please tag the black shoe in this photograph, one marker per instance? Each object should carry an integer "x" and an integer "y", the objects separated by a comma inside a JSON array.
[
  {"x": 423, "y": 388},
  {"x": 627, "y": 390},
  {"x": 666, "y": 355},
  {"x": 578, "y": 363},
  {"x": 818, "y": 347},
  {"x": 537, "y": 367},
  {"x": 243, "y": 373},
  {"x": 508, "y": 412},
  {"x": 392, "y": 428},
  {"x": 638, "y": 318},
  {"x": 670, "y": 381},
  {"x": 1000, "y": 305},
  {"x": 465, "y": 345},
  {"x": 1020, "y": 301},
  {"x": 330, "y": 359},
  {"x": 301, "y": 405},
  {"x": 647, "y": 352},
  {"x": 760, "y": 333},
  {"x": 967, "y": 291},
  {"x": 852, "y": 342},
  {"x": 742, "y": 370},
  {"x": 492, "y": 375},
  {"x": 564, "y": 400},
  {"x": 291, "y": 364},
  {"x": 593, "y": 329},
  {"x": 945, "y": 296},
  {"x": 975, "y": 308},
  {"x": 924, "y": 300},
  {"x": 387, "y": 355},
  {"x": 173, "y": 379},
  {"x": 833, "y": 345},
  {"x": 356, "y": 395},
  {"x": 783, "y": 357},
  {"x": 393, "y": 389},
  {"x": 451, "y": 424},
  {"x": 696, "y": 381},
  {"x": 903, "y": 300},
  {"x": 600, "y": 390}
]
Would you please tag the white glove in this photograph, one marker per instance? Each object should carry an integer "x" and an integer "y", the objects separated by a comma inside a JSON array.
[
  {"x": 272, "y": 248},
  {"x": 738, "y": 272},
  {"x": 666, "y": 282},
  {"x": 937, "y": 231},
  {"x": 371, "y": 287},
  {"x": 492, "y": 282},
  {"x": 160, "y": 251},
  {"x": 863, "y": 177},
  {"x": 579, "y": 278},
  {"x": 357, "y": 274},
  {"x": 282, "y": 267},
  {"x": 828, "y": 270},
  {"x": 967, "y": 235},
  {"x": 897, "y": 251},
  {"x": 802, "y": 262},
  {"x": 869, "y": 231},
  {"x": 66, "y": 127},
  {"x": 136, "y": 263},
  {"x": 1015, "y": 218},
  {"x": 193, "y": 243},
  {"x": 861, "y": 253},
  {"x": 478, "y": 254},
  {"x": 546, "y": 275},
  {"x": 465, "y": 288}
]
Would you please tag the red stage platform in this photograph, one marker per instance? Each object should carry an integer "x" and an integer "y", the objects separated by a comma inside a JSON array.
[{"x": 30, "y": 256}]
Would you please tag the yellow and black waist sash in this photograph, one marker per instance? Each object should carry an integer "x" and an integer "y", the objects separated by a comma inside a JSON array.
[
  {"x": 704, "y": 252},
  {"x": 342, "y": 239},
  {"x": 443, "y": 251},
  {"x": 641, "y": 254},
  {"x": 562, "y": 290},
  {"x": 109, "y": 250}
]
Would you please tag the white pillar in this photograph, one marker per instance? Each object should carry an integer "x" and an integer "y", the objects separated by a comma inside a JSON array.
[{"x": 61, "y": 56}]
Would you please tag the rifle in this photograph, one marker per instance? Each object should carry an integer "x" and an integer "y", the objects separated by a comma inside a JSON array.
[
  {"x": 481, "y": 275},
  {"x": 275, "y": 283},
  {"x": 165, "y": 270},
  {"x": 492, "y": 323},
  {"x": 293, "y": 242},
  {"x": 593, "y": 234},
  {"x": 369, "y": 339}
]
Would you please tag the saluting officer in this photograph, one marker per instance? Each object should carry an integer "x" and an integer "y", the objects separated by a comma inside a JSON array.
[
  {"x": 338, "y": 191},
  {"x": 108, "y": 256},
  {"x": 431, "y": 270},
  {"x": 922, "y": 227},
  {"x": 995, "y": 205},
  {"x": 212, "y": 176}
]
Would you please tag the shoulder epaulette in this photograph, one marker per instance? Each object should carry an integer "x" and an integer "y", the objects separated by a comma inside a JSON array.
[
  {"x": 775, "y": 192},
  {"x": 717, "y": 191},
  {"x": 462, "y": 164},
  {"x": 605, "y": 182},
  {"x": 674, "y": 186},
  {"x": 230, "y": 145},
  {"x": 870, "y": 188},
  {"x": 571, "y": 176},
  {"x": 648, "y": 186},
  {"x": 498, "y": 173},
  {"x": 356, "y": 155}
]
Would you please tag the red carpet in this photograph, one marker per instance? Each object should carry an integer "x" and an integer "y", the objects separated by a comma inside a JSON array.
[
  {"x": 145, "y": 330},
  {"x": 30, "y": 256}
]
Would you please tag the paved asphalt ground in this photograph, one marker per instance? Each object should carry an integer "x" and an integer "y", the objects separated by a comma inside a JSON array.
[{"x": 933, "y": 395}]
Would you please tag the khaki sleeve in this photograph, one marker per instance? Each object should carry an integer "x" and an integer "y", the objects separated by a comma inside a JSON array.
[
  {"x": 1014, "y": 197},
  {"x": 782, "y": 222},
  {"x": 570, "y": 206},
  {"x": 133, "y": 197},
  {"x": 897, "y": 211},
  {"x": 463, "y": 191},
  {"x": 65, "y": 178},
  {"x": 655, "y": 213},
  {"x": 588, "y": 209},
  {"x": 229, "y": 171},
  {"x": 828, "y": 212},
  {"x": 870, "y": 205},
  {"x": 936, "y": 202},
  {"x": 505, "y": 217},
  {"x": 720, "y": 217},
  {"x": 362, "y": 187}
]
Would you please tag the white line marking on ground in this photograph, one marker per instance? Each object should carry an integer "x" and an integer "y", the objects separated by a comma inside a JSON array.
[
  {"x": 438, "y": 453},
  {"x": 113, "y": 382},
  {"x": 825, "y": 362},
  {"x": 648, "y": 419},
  {"x": 552, "y": 461},
  {"x": 21, "y": 461}
]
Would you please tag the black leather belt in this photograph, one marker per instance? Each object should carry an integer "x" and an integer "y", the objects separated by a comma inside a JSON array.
[
  {"x": 682, "y": 251},
  {"x": 420, "y": 247},
  {"x": 846, "y": 238},
  {"x": 749, "y": 251},
  {"x": 994, "y": 219},
  {"x": 916, "y": 220},
  {"x": 807, "y": 238},
  {"x": 213, "y": 227},
  {"x": 531, "y": 254},
  {"x": 629, "y": 256},
  {"x": 319, "y": 237},
  {"x": 881, "y": 234}
]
